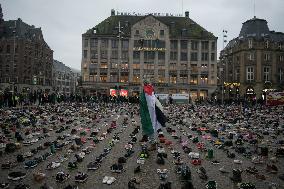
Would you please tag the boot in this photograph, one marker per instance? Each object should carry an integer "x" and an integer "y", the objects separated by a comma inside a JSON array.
[{"x": 237, "y": 175}]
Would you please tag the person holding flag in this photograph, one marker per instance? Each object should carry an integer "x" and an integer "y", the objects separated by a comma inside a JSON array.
[{"x": 151, "y": 113}]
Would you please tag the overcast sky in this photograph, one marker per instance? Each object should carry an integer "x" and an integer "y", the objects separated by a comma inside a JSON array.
[{"x": 64, "y": 21}]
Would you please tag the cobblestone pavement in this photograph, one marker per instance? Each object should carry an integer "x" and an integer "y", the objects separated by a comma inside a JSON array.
[{"x": 61, "y": 119}]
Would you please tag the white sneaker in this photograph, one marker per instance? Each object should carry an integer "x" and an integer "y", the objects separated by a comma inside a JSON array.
[
  {"x": 111, "y": 180},
  {"x": 237, "y": 161},
  {"x": 105, "y": 179},
  {"x": 140, "y": 161}
]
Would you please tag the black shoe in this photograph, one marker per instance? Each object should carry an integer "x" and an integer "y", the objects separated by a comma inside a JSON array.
[
  {"x": 61, "y": 177},
  {"x": 20, "y": 158},
  {"x": 121, "y": 160},
  {"x": 72, "y": 165},
  {"x": 4, "y": 185},
  {"x": 16, "y": 176},
  {"x": 93, "y": 166},
  {"x": 137, "y": 169},
  {"x": 81, "y": 177}
]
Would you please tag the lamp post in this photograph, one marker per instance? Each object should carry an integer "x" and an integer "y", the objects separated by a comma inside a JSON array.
[
  {"x": 119, "y": 36},
  {"x": 223, "y": 65},
  {"x": 14, "y": 52}
]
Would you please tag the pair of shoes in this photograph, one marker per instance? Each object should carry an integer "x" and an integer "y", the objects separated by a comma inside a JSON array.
[
  {"x": 212, "y": 184},
  {"x": 252, "y": 170},
  {"x": 108, "y": 180},
  {"x": 117, "y": 168},
  {"x": 162, "y": 173},
  {"x": 202, "y": 173},
  {"x": 4, "y": 185},
  {"x": 215, "y": 162},
  {"x": 196, "y": 162},
  {"x": 166, "y": 185},
  {"x": 72, "y": 165},
  {"x": 81, "y": 177},
  {"x": 39, "y": 176},
  {"x": 53, "y": 165},
  {"x": 30, "y": 164},
  {"x": 246, "y": 186},
  {"x": 93, "y": 165},
  {"x": 140, "y": 161},
  {"x": 185, "y": 173},
  {"x": 61, "y": 176},
  {"x": 16, "y": 175},
  {"x": 137, "y": 169}
]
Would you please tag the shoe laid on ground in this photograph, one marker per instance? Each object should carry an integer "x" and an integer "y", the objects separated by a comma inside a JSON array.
[
  {"x": 185, "y": 173},
  {"x": 260, "y": 176},
  {"x": 215, "y": 162},
  {"x": 116, "y": 168},
  {"x": 6, "y": 165},
  {"x": 93, "y": 165},
  {"x": 257, "y": 160},
  {"x": 196, "y": 162},
  {"x": 237, "y": 175},
  {"x": 4, "y": 185},
  {"x": 140, "y": 161},
  {"x": 246, "y": 186},
  {"x": 252, "y": 170},
  {"x": 212, "y": 184},
  {"x": 81, "y": 177},
  {"x": 162, "y": 173},
  {"x": 22, "y": 186},
  {"x": 53, "y": 165},
  {"x": 30, "y": 164},
  {"x": 137, "y": 169},
  {"x": 271, "y": 168},
  {"x": 110, "y": 180},
  {"x": 223, "y": 170},
  {"x": 20, "y": 158},
  {"x": 72, "y": 165},
  {"x": 160, "y": 160},
  {"x": 39, "y": 176},
  {"x": 237, "y": 161},
  {"x": 202, "y": 173},
  {"x": 152, "y": 147},
  {"x": 16, "y": 176},
  {"x": 61, "y": 176}
]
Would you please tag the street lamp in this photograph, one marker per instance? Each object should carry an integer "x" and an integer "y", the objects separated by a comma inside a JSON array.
[
  {"x": 14, "y": 52},
  {"x": 225, "y": 32},
  {"x": 119, "y": 36}
]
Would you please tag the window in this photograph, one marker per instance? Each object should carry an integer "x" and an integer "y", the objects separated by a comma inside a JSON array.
[
  {"x": 250, "y": 43},
  {"x": 93, "y": 43},
  {"x": 266, "y": 57},
  {"x": 124, "y": 55},
  {"x": 162, "y": 33},
  {"x": 137, "y": 32},
  {"x": 149, "y": 55},
  {"x": 183, "y": 44},
  {"x": 104, "y": 43},
  {"x": 173, "y": 79},
  {"x": 136, "y": 54},
  {"x": 204, "y": 79},
  {"x": 173, "y": 55},
  {"x": 204, "y": 56},
  {"x": 213, "y": 45},
  {"x": 194, "y": 45},
  {"x": 174, "y": 44},
  {"x": 281, "y": 58},
  {"x": 161, "y": 55},
  {"x": 266, "y": 44},
  {"x": 212, "y": 56},
  {"x": 250, "y": 74},
  {"x": 251, "y": 56},
  {"x": 237, "y": 74},
  {"x": 85, "y": 53},
  {"x": 114, "y": 43},
  {"x": 204, "y": 45},
  {"x": 103, "y": 77},
  {"x": 280, "y": 45},
  {"x": 281, "y": 75},
  {"x": 94, "y": 54},
  {"x": 125, "y": 44},
  {"x": 114, "y": 54},
  {"x": 183, "y": 56},
  {"x": 193, "y": 80},
  {"x": 161, "y": 44},
  {"x": 266, "y": 74},
  {"x": 8, "y": 49},
  {"x": 86, "y": 43},
  {"x": 103, "y": 54},
  {"x": 183, "y": 78},
  {"x": 136, "y": 66},
  {"x": 193, "y": 56}
]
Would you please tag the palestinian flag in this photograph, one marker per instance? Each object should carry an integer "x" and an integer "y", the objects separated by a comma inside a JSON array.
[{"x": 151, "y": 111}]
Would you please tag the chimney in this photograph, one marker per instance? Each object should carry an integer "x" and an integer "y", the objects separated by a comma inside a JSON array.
[
  {"x": 112, "y": 12},
  {"x": 187, "y": 14}
]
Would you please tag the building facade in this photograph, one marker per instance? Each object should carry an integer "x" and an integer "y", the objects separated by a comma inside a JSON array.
[
  {"x": 253, "y": 63},
  {"x": 175, "y": 53},
  {"x": 65, "y": 80},
  {"x": 25, "y": 58}
]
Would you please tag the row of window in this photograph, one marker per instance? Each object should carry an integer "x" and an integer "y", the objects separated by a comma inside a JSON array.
[
  {"x": 161, "y": 79},
  {"x": 266, "y": 57},
  {"x": 150, "y": 44},
  {"x": 266, "y": 44},
  {"x": 250, "y": 74},
  {"x": 150, "y": 55}
]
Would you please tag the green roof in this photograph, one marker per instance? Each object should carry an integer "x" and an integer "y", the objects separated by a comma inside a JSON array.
[{"x": 176, "y": 25}]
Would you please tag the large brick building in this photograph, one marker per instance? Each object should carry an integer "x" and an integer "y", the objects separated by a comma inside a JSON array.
[
  {"x": 25, "y": 58},
  {"x": 175, "y": 53},
  {"x": 253, "y": 62}
]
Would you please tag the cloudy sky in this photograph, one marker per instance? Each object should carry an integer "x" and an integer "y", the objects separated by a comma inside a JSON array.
[{"x": 64, "y": 21}]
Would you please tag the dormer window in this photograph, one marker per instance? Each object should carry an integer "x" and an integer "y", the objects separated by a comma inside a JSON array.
[
  {"x": 137, "y": 32},
  {"x": 250, "y": 43},
  {"x": 267, "y": 44}
]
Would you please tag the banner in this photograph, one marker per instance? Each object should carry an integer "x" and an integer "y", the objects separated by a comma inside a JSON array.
[
  {"x": 180, "y": 98},
  {"x": 275, "y": 98}
]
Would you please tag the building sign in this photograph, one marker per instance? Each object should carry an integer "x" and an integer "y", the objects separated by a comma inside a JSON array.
[
  {"x": 162, "y": 97},
  {"x": 275, "y": 98},
  {"x": 145, "y": 14},
  {"x": 148, "y": 49},
  {"x": 180, "y": 98},
  {"x": 123, "y": 92},
  {"x": 113, "y": 92}
]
